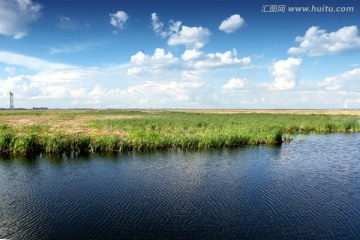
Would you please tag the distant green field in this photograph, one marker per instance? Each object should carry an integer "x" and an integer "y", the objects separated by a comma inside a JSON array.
[{"x": 24, "y": 132}]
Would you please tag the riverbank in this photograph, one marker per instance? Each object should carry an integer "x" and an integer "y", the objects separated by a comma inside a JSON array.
[{"x": 56, "y": 131}]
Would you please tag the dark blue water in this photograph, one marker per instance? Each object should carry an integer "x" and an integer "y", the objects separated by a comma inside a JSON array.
[{"x": 308, "y": 189}]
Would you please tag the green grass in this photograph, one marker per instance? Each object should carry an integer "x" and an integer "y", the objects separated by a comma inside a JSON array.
[{"x": 161, "y": 130}]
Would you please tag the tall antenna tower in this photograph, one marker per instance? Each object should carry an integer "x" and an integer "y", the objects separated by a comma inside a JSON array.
[{"x": 11, "y": 100}]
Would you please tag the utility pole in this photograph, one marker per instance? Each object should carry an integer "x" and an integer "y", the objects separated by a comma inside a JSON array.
[{"x": 11, "y": 100}]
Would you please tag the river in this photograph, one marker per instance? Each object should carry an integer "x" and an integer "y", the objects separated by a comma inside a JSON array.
[{"x": 307, "y": 189}]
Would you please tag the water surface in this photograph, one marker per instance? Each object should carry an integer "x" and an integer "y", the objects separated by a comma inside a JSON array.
[{"x": 308, "y": 189}]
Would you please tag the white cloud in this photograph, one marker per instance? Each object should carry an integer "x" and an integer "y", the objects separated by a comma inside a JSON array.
[
  {"x": 232, "y": 24},
  {"x": 235, "y": 84},
  {"x": 285, "y": 73},
  {"x": 157, "y": 25},
  {"x": 166, "y": 94},
  {"x": 139, "y": 58},
  {"x": 318, "y": 42},
  {"x": 71, "y": 24},
  {"x": 30, "y": 62},
  {"x": 190, "y": 55},
  {"x": 191, "y": 75},
  {"x": 158, "y": 58},
  {"x": 50, "y": 84},
  {"x": 118, "y": 19},
  {"x": 16, "y": 15},
  {"x": 192, "y": 64},
  {"x": 69, "y": 87},
  {"x": 174, "y": 27},
  {"x": 22, "y": 86},
  {"x": 145, "y": 65},
  {"x": 222, "y": 60},
  {"x": 349, "y": 81},
  {"x": 137, "y": 71},
  {"x": 160, "y": 54},
  {"x": 180, "y": 85},
  {"x": 191, "y": 37},
  {"x": 65, "y": 76}
]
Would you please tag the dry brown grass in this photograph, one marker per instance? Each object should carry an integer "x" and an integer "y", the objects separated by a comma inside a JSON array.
[{"x": 57, "y": 123}]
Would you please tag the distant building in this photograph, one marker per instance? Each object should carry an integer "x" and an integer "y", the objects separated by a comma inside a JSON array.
[{"x": 11, "y": 100}]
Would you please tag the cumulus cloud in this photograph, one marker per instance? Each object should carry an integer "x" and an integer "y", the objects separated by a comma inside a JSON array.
[
  {"x": 17, "y": 15},
  {"x": 118, "y": 19},
  {"x": 235, "y": 84},
  {"x": 339, "y": 82},
  {"x": 158, "y": 58},
  {"x": 318, "y": 42},
  {"x": 59, "y": 88},
  {"x": 54, "y": 84},
  {"x": 144, "y": 64},
  {"x": 286, "y": 74},
  {"x": 21, "y": 85},
  {"x": 220, "y": 60},
  {"x": 191, "y": 64},
  {"x": 232, "y": 23},
  {"x": 180, "y": 85},
  {"x": 157, "y": 26},
  {"x": 191, "y": 37},
  {"x": 190, "y": 55}
]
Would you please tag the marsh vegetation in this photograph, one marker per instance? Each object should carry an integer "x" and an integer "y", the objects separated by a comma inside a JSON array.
[{"x": 24, "y": 132}]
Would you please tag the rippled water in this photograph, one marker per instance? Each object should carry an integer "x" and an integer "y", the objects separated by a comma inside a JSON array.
[{"x": 308, "y": 189}]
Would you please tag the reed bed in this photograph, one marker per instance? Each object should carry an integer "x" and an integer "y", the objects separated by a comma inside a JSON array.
[{"x": 53, "y": 132}]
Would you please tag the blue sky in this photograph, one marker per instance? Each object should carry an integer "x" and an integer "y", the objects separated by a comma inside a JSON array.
[{"x": 184, "y": 54}]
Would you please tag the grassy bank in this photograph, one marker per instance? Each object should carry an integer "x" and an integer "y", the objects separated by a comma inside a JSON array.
[{"x": 23, "y": 132}]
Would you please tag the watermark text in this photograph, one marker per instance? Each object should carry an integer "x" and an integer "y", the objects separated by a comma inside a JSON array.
[{"x": 303, "y": 9}]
